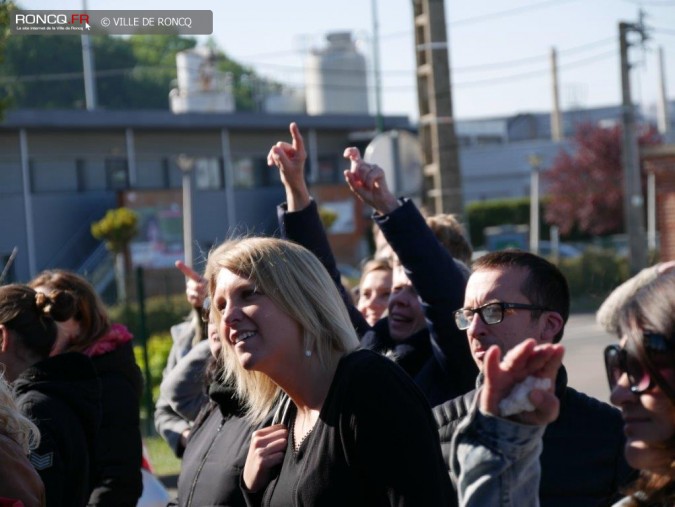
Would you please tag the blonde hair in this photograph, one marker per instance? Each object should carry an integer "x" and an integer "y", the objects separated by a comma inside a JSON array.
[
  {"x": 295, "y": 280},
  {"x": 13, "y": 423}
]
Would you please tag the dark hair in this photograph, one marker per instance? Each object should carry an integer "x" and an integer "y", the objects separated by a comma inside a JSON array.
[
  {"x": 652, "y": 308},
  {"x": 91, "y": 312},
  {"x": 451, "y": 234},
  {"x": 33, "y": 315},
  {"x": 544, "y": 285}
]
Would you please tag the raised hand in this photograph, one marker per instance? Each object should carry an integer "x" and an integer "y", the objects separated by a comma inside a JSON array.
[
  {"x": 367, "y": 181},
  {"x": 290, "y": 159},
  {"x": 267, "y": 449},
  {"x": 526, "y": 359},
  {"x": 196, "y": 286}
]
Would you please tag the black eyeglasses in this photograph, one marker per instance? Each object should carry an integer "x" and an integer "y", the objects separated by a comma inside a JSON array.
[
  {"x": 619, "y": 361},
  {"x": 491, "y": 313}
]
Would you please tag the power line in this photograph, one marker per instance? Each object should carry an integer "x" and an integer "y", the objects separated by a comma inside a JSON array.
[{"x": 507, "y": 12}]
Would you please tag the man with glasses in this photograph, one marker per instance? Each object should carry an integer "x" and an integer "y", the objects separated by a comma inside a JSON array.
[{"x": 511, "y": 296}]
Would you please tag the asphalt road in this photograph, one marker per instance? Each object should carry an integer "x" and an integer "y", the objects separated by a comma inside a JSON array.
[{"x": 584, "y": 343}]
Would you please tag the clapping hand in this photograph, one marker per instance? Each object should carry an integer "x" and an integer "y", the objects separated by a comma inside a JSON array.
[{"x": 526, "y": 359}]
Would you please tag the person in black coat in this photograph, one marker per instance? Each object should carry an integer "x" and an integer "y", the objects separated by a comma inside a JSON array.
[
  {"x": 428, "y": 284},
  {"x": 514, "y": 295},
  {"x": 61, "y": 394},
  {"x": 116, "y": 468},
  {"x": 218, "y": 443}
]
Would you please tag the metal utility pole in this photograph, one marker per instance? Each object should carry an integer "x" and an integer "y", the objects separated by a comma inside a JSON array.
[
  {"x": 535, "y": 168},
  {"x": 442, "y": 178},
  {"x": 633, "y": 201},
  {"x": 556, "y": 118},
  {"x": 379, "y": 124},
  {"x": 88, "y": 69},
  {"x": 663, "y": 117}
]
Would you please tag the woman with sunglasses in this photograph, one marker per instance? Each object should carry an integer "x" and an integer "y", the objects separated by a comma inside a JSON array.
[{"x": 641, "y": 374}]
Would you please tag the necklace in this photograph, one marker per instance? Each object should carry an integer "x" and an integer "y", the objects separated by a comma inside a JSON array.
[{"x": 297, "y": 444}]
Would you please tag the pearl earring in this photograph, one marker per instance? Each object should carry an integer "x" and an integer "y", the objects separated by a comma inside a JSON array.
[{"x": 308, "y": 353}]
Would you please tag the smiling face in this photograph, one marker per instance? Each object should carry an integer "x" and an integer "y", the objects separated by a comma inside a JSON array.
[
  {"x": 649, "y": 422},
  {"x": 495, "y": 285},
  {"x": 262, "y": 336},
  {"x": 374, "y": 295},
  {"x": 406, "y": 316}
]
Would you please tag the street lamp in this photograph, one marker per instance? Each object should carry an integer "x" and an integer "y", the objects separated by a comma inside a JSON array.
[
  {"x": 186, "y": 165},
  {"x": 535, "y": 163}
]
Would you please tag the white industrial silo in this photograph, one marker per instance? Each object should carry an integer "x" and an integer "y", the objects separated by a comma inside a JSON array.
[
  {"x": 201, "y": 87},
  {"x": 336, "y": 79}
]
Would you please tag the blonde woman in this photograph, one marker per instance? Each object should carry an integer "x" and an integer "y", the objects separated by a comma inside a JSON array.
[
  {"x": 18, "y": 478},
  {"x": 354, "y": 428}
]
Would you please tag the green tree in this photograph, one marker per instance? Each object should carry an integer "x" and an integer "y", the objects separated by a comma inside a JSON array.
[
  {"x": 117, "y": 228},
  {"x": 5, "y": 8},
  {"x": 137, "y": 72}
]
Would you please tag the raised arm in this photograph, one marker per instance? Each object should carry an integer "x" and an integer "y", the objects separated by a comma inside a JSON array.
[
  {"x": 430, "y": 267},
  {"x": 299, "y": 218}
]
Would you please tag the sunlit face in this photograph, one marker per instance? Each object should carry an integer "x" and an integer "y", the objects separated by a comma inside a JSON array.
[
  {"x": 649, "y": 422},
  {"x": 374, "y": 295},
  {"x": 406, "y": 316},
  {"x": 262, "y": 336},
  {"x": 67, "y": 332},
  {"x": 493, "y": 285}
]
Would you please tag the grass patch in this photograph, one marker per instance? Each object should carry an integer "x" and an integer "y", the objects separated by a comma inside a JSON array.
[{"x": 161, "y": 456}]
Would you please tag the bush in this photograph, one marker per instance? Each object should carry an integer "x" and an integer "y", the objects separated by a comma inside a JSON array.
[
  {"x": 161, "y": 312},
  {"x": 593, "y": 276},
  {"x": 482, "y": 214},
  {"x": 159, "y": 346}
]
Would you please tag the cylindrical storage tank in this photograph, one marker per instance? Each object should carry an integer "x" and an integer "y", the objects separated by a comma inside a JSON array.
[
  {"x": 188, "y": 63},
  {"x": 336, "y": 79}
]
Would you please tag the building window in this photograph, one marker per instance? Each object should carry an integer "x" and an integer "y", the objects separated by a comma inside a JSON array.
[
  {"x": 10, "y": 176},
  {"x": 327, "y": 172},
  {"x": 253, "y": 172},
  {"x": 53, "y": 175},
  {"x": 208, "y": 173},
  {"x": 117, "y": 173}
]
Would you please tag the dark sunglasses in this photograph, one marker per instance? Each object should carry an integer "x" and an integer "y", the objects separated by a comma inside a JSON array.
[{"x": 619, "y": 361}]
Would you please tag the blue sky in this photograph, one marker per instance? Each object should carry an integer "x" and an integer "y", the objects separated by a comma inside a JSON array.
[{"x": 498, "y": 50}]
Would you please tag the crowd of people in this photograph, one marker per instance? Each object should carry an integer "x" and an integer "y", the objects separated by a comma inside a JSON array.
[{"x": 437, "y": 382}]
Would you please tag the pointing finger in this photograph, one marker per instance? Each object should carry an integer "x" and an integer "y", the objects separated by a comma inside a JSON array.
[
  {"x": 352, "y": 154},
  {"x": 188, "y": 271},
  {"x": 298, "y": 142}
]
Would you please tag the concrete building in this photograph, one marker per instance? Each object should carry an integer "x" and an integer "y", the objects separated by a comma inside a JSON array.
[{"x": 62, "y": 170}]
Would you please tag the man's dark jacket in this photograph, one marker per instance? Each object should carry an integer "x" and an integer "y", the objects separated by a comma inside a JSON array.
[{"x": 582, "y": 464}]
